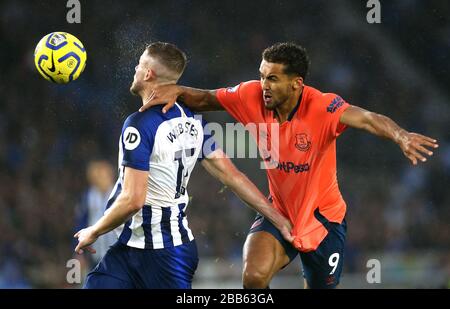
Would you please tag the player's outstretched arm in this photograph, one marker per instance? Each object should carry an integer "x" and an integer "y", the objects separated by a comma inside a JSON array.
[
  {"x": 221, "y": 167},
  {"x": 196, "y": 99},
  {"x": 129, "y": 201},
  {"x": 414, "y": 146}
]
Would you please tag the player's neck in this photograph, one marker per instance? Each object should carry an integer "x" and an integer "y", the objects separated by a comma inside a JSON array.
[
  {"x": 146, "y": 95},
  {"x": 283, "y": 111}
]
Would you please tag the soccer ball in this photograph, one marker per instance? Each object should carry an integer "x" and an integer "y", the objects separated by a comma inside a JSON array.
[{"x": 60, "y": 57}]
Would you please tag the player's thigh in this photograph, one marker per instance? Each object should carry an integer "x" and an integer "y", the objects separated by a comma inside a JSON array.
[
  {"x": 265, "y": 250},
  {"x": 96, "y": 280},
  {"x": 322, "y": 268},
  {"x": 168, "y": 268},
  {"x": 112, "y": 270},
  {"x": 263, "y": 254}
]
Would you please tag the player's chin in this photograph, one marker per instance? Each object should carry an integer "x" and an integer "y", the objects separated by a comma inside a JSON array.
[
  {"x": 270, "y": 104},
  {"x": 133, "y": 89}
]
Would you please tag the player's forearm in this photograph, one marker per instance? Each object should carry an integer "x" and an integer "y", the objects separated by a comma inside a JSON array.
[
  {"x": 249, "y": 193},
  {"x": 199, "y": 100},
  {"x": 383, "y": 126},
  {"x": 374, "y": 123},
  {"x": 218, "y": 165},
  {"x": 223, "y": 169},
  {"x": 122, "y": 209},
  {"x": 413, "y": 145}
]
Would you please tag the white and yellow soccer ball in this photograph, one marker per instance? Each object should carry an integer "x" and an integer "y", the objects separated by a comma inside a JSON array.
[{"x": 60, "y": 57}]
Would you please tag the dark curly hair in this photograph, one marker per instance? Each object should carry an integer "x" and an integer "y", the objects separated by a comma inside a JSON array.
[{"x": 293, "y": 56}]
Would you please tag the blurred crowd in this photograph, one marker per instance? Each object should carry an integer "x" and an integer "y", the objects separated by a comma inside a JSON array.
[{"x": 49, "y": 134}]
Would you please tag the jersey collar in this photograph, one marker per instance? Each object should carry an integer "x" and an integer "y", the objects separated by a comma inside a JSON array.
[{"x": 292, "y": 113}]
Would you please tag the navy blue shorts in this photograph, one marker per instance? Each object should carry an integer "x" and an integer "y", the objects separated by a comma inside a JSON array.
[
  {"x": 124, "y": 267},
  {"x": 322, "y": 267}
]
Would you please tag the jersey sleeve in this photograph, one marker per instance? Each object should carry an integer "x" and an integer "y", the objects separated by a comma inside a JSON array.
[
  {"x": 238, "y": 100},
  {"x": 137, "y": 142},
  {"x": 209, "y": 144},
  {"x": 331, "y": 109}
]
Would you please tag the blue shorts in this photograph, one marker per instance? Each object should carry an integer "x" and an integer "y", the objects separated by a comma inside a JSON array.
[
  {"x": 124, "y": 267},
  {"x": 322, "y": 267}
]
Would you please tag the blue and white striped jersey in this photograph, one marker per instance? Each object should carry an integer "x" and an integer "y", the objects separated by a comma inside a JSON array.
[{"x": 168, "y": 146}]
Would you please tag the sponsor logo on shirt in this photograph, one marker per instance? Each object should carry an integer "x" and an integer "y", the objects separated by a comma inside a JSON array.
[
  {"x": 131, "y": 138},
  {"x": 335, "y": 104},
  {"x": 291, "y": 166}
]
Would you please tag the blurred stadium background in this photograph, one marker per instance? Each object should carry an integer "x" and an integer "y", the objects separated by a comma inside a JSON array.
[{"x": 49, "y": 133}]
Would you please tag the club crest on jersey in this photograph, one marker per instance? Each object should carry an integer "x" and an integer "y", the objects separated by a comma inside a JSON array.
[
  {"x": 301, "y": 142},
  {"x": 131, "y": 138}
]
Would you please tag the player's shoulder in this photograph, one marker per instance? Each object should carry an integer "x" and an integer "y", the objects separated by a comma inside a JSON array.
[
  {"x": 325, "y": 101},
  {"x": 252, "y": 86},
  {"x": 315, "y": 94},
  {"x": 137, "y": 118},
  {"x": 245, "y": 87},
  {"x": 147, "y": 121},
  {"x": 152, "y": 118},
  {"x": 186, "y": 110}
]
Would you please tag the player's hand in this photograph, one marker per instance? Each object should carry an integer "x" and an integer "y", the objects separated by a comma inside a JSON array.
[
  {"x": 416, "y": 146},
  {"x": 285, "y": 228},
  {"x": 86, "y": 237},
  {"x": 162, "y": 94},
  {"x": 286, "y": 232}
]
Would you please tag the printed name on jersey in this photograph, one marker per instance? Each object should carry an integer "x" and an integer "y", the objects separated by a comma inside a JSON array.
[
  {"x": 301, "y": 142},
  {"x": 131, "y": 138},
  {"x": 335, "y": 104},
  {"x": 179, "y": 129},
  {"x": 291, "y": 166}
]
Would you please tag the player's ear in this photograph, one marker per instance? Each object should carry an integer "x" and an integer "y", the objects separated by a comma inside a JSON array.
[
  {"x": 150, "y": 74},
  {"x": 297, "y": 83}
]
